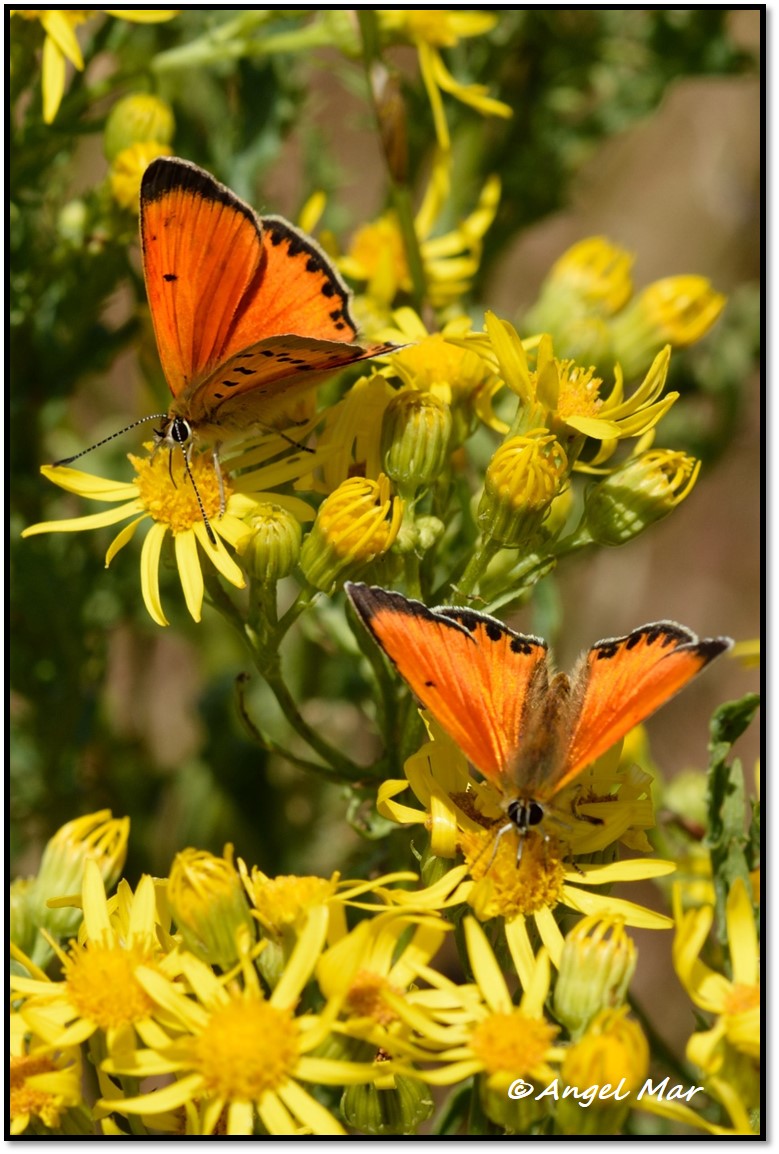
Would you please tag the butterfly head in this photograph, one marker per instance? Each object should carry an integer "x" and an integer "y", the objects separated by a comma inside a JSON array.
[{"x": 174, "y": 433}]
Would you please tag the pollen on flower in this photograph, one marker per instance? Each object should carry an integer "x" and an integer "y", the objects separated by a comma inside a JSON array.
[
  {"x": 505, "y": 889},
  {"x": 26, "y": 1099},
  {"x": 248, "y": 1048},
  {"x": 170, "y": 498},
  {"x": 513, "y": 1043},
  {"x": 365, "y": 997},
  {"x": 102, "y": 986},
  {"x": 579, "y": 391},
  {"x": 281, "y": 901}
]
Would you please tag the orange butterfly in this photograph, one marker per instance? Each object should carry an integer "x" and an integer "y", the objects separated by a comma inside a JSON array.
[
  {"x": 248, "y": 311},
  {"x": 527, "y": 729}
]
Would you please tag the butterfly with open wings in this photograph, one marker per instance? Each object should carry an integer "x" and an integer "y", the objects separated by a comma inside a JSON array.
[{"x": 528, "y": 730}]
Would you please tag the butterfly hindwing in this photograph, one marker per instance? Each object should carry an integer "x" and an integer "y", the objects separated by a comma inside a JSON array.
[
  {"x": 267, "y": 377},
  {"x": 625, "y": 679},
  {"x": 471, "y": 671}
]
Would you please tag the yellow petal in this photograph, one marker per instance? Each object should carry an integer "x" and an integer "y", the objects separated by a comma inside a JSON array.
[
  {"x": 742, "y": 935},
  {"x": 486, "y": 969},
  {"x": 60, "y": 28},
  {"x": 308, "y": 1110},
  {"x": 121, "y": 540},
  {"x": 92, "y": 521},
  {"x": 150, "y": 576},
  {"x": 220, "y": 557},
  {"x": 52, "y": 79},
  {"x": 143, "y": 15},
  {"x": 96, "y": 920},
  {"x": 634, "y": 915},
  {"x": 191, "y": 574},
  {"x": 88, "y": 485}
]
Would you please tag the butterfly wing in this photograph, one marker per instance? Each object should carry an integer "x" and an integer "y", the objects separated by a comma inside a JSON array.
[
  {"x": 250, "y": 380},
  {"x": 472, "y": 672},
  {"x": 625, "y": 679},
  {"x": 236, "y": 296}
]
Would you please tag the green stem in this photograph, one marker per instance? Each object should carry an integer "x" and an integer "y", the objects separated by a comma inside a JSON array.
[
  {"x": 475, "y": 568},
  {"x": 343, "y": 766}
]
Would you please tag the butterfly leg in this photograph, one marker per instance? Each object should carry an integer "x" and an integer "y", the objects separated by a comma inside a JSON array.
[{"x": 219, "y": 477}]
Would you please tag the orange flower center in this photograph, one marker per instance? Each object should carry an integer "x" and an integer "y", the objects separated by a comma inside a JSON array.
[
  {"x": 248, "y": 1048},
  {"x": 168, "y": 494},
  {"x": 512, "y": 1043},
  {"x": 103, "y": 988}
]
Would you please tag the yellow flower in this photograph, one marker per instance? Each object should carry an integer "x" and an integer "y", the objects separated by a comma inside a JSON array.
[
  {"x": 490, "y": 1037},
  {"x": 61, "y": 45},
  {"x": 239, "y": 1054},
  {"x": 735, "y": 1001},
  {"x": 612, "y": 1052},
  {"x": 128, "y": 169},
  {"x": 678, "y": 310},
  {"x": 377, "y": 256},
  {"x": 100, "y": 989},
  {"x": 43, "y": 1082},
  {"x": 382, "y": 955},
  {"x": 430, "y": 30},
  {"x": 462, "y": 811},
  {"x": 173, "y": 508},
  {"x": 357, "y": 523},
  {"x": 585, "y": 305},
  {"x": 525, "y": 475},
  {"x": 566, "y": 398}
]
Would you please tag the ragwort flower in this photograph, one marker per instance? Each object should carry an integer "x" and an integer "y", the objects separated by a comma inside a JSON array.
[
  {"x": 238, "y": 1053},
  {"x": 173, "y": 508},
  {"x": 100, "y": 990},
  {"x": 566, "y": 398}
]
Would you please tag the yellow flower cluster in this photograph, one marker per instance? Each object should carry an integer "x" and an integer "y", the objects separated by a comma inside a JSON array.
[{"x": 246, "y": 991}]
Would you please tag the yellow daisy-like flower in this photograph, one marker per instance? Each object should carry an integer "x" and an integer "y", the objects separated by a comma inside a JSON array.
[
  {"x": 383, "y": 954},
  {"x": 462, "y": 812},
  {"x": 491, "y": 1038},
  {"x": 61, "y": 45},
  {"x": 241, "y": 1056},
  {"x": 100, "y": 989},
  {"x": 430, "y": 30},
  {"x": 566, "y": 398},
  {"x": 377, "y": 256},
  {"x": 735, "y": 1001},
  {"x": 168, "y": 499},
  {"x": 43, "y": 1083}
]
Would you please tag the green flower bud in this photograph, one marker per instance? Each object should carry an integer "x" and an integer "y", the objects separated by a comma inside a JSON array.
[
  {"x": 522, "y": 479},
  {"x": 137, "y": 119},
  {"x": 641, "y": 491},
  {"x": 272, "y": 548},
  {"x": 415, "y": 439},
  {"x": 97, "y": 837},
  {"x": 596, "y": 965},
  {"x": 399, "y": 1109},
  {"x": 209, "y": 905}
]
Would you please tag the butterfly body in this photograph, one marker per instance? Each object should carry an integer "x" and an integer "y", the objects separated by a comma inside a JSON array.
[
  {"x": 527, "y": 729},
  {"x": 248, "y": 312}
]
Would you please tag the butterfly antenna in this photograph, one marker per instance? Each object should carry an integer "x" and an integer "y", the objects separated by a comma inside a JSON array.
[
  {"x": 105, "y": 440},
  {"x": 200, "y": 505}
]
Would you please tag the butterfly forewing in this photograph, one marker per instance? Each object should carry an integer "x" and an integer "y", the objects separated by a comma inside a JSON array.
[
  {"x": 202, "y": 255},
  {"x": 626, "y": 679},
  {"x": 469, "y": 670},
  {"x": 298, "y": 292}
]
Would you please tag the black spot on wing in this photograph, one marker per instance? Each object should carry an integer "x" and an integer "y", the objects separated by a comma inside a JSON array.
[
  {"x": 328, "y": 289},
  {"x": 169, "y": 276},
  {"x": 243, "y": 371}
]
